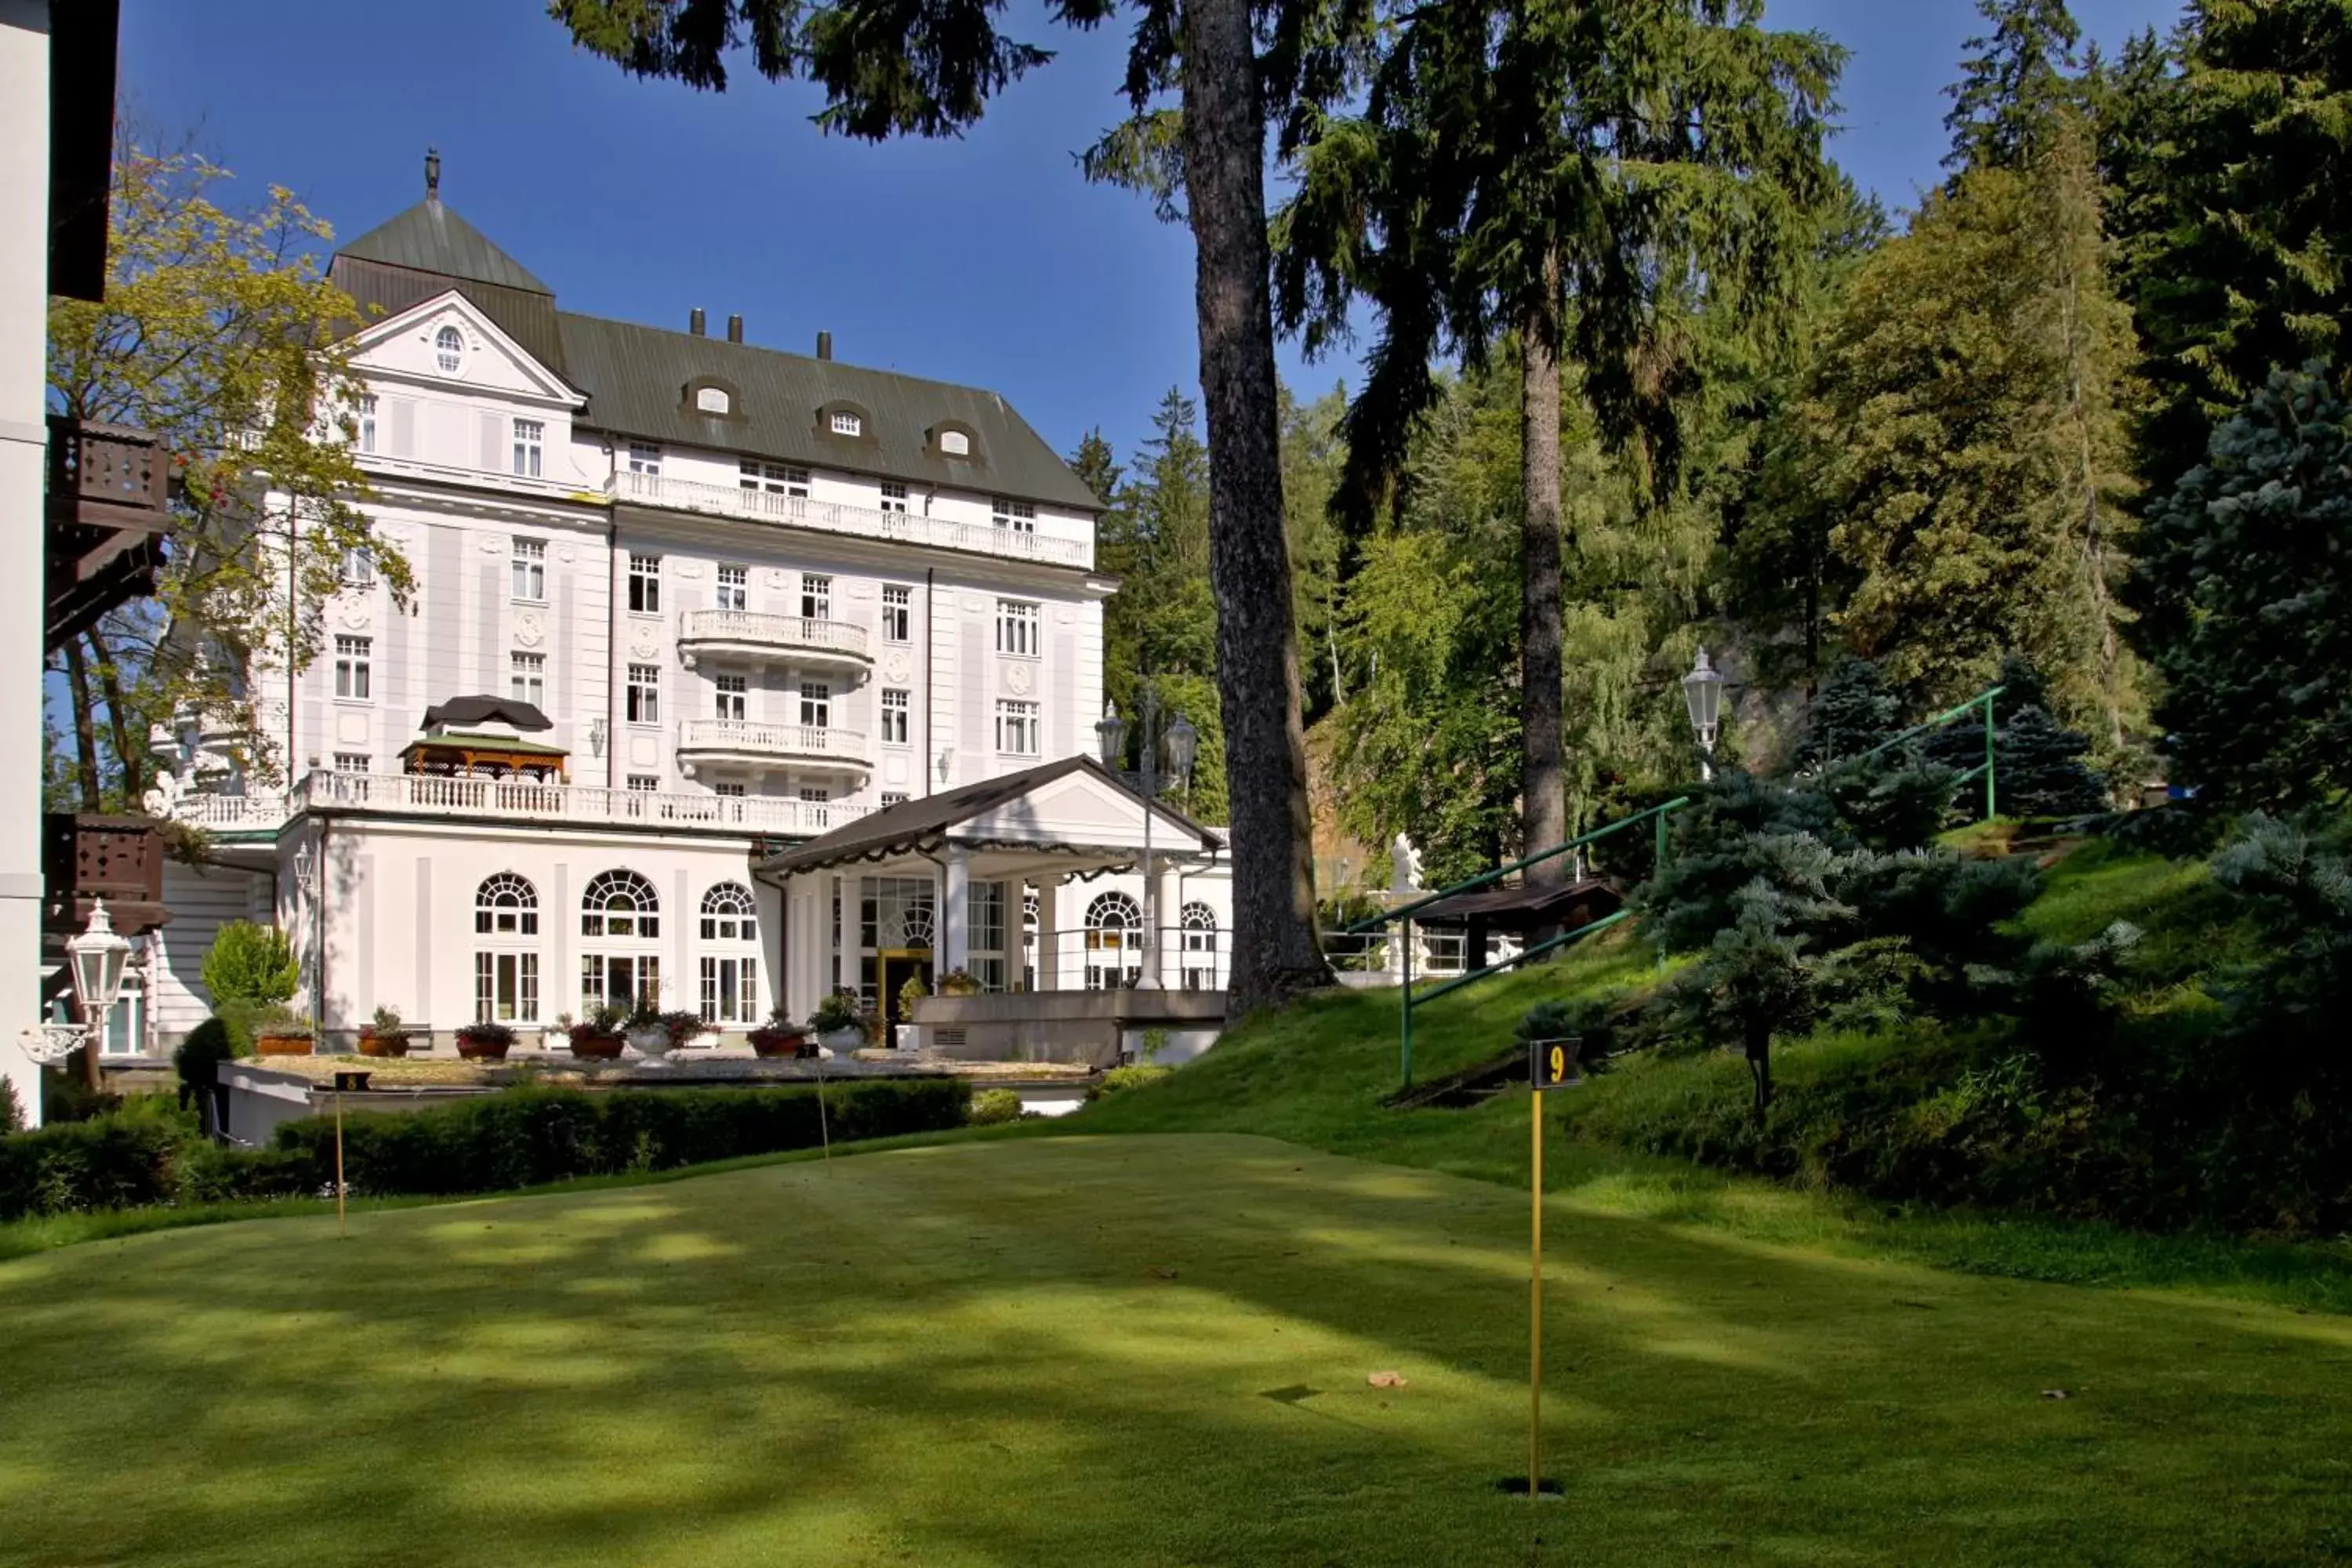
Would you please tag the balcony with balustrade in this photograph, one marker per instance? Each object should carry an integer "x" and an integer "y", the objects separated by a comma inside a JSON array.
[
  {"x": 831, "y": 517},
  {"x": 732, "y": 744},
  {"x": 804, "y": 642},
  {"x": 245, "y": 818}
]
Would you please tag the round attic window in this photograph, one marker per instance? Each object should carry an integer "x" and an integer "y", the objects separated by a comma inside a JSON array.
[{"x": 448, "y": 350}]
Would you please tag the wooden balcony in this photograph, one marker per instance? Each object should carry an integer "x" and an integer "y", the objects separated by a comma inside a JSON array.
[
  {"x": 86, "y": 857},
  {"x": 108, "y": 493}
]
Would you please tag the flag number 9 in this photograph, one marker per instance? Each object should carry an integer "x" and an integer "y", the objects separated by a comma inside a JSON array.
[{"x": 1559, "y": 1064}]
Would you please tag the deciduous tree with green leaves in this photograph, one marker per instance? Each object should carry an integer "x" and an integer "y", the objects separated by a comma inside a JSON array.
[{"x": 218, "y": 334}]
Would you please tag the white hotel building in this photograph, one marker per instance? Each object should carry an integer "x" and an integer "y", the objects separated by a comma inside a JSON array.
[{"x": 736, "y": 673}]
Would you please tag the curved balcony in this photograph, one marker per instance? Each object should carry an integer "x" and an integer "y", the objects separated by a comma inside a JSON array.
[
  {"x": 802, "y": 641},
  {"x": 742, "y": 742}
]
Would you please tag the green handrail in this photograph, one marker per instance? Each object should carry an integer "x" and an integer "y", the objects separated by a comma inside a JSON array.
[
  {"x": 1981, "y": 699},
  {"x": 1406, "y": 911}
]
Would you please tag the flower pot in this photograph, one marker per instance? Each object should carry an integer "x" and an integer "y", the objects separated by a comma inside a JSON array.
[
  {"x": 375, "y": 1045},
  {"x": 597, "y": 1047},
  {"x": 651, "y": 1044},
  {"x": 841, "y": 1042},
  {"x": 482, "y": 1050},
  {"x": 780, "y": 1042},
  {"x": 282, "y": 1045}
]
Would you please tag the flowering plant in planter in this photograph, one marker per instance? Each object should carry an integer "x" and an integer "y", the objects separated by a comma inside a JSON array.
[
  {"x": 383, "y": 1035},
  {"x": 959, "y": 983},
  {"x": 647, "y": 1029},
  {"x": 779, "y": 1036},
  {"x": 597, "y": 1036},
  {"x": 683, "y": 1027},
  {"x": 484, "y": 1040},
  {"x": 280, "y": 1031}
]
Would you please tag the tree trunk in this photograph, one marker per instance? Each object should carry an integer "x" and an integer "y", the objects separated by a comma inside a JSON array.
[
  {"x": 1276, "y": 952},
  {"x": 84, "y": 726},
  {"x": 1543, "y": 803},
  {"x": 129, "y": 756},
  {"x": 1759, "y": 1066}
]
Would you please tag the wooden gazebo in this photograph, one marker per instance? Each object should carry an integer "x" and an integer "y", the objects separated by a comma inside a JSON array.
[{"x": 486, "y": 737}]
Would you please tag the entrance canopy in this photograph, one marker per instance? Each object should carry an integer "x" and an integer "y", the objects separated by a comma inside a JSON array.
[{"x": 1065, "y": 817}]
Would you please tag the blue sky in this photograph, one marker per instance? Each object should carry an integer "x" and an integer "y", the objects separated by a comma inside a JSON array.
[{"x": 985, "y": 261}]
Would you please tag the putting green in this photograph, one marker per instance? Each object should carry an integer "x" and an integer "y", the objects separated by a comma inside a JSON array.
[{"x": 1124, "y": 1350}]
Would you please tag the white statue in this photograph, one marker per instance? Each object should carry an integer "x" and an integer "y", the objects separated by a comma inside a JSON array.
[{"x": 1404, "y": 862}]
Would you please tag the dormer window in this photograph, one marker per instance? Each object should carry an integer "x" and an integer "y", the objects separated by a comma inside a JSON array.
[
  {"x": 448, "y": 350},
  {"x": 712, "y": 400},
  {"x": 844, "y": 423},
  {"x": 955, "y": 444},
  {"x": 711, "y": 397}
]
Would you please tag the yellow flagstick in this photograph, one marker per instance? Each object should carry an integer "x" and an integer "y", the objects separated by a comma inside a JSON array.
[
  {"x": 1535, "y": 1308},
  {"x": 343, "y": 1226}
]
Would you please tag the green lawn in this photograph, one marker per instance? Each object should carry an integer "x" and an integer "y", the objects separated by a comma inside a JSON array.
[{"x": 1136, "y": 1350}]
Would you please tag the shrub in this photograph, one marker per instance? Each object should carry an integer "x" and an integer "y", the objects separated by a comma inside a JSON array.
[
  {"x": 1119, "y": 1081},
  {"x": 115, "y": 1161},
  {"x": 837, "y": 1011},
  {"x": 11, "y": 1109},
  {"x": 218, "y": 1040},
  {"x": 249, "y": 962},
  {"x": 991, "y": 1107},
  {"x": 526, "y": 1137}
]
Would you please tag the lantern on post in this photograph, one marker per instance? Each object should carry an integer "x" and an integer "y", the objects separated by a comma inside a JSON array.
[{"x": 1703, "y": 696}]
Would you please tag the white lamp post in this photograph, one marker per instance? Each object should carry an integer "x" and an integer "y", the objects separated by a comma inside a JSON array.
[
  {"x": 1703, "y": 695},
  {"x": 97, "y": 959}
]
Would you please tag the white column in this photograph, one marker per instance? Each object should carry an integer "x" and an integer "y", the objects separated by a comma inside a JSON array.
[
  {"x": 955, "y": 910},
  {"x": 841, "y": 906},
  {"x": 1049, "y": 952},
  {"x": 1169, "y": 899},
  {"x": 23, "y": 442}
]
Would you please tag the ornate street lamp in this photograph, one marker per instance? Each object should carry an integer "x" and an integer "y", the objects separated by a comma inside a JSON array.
[
  {"x": 1703, "y": 695},
  {"x": 1110, "y": 737},
  {"x": 1184, "y": 743},
  {"x": 97, "y": 960}
]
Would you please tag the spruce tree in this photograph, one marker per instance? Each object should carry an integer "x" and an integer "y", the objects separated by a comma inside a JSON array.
[
  {"x": 2015, "y": 83},
  {"x": 1852, "y": 712}
]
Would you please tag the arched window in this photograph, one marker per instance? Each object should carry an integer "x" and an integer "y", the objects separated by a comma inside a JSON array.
[
  {"x": 620, "y": 903},
  {"x": 1200, "y": 923},
  {"x": 729, "y": 913},
  {"x": 505, "y": 905},
  {"x": 448, "y": 350},
  {"x": 1114, "y": 942},
  {"x": 506, "y": 960}
]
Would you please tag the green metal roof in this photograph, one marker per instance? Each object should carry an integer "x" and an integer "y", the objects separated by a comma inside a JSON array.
[
  {"x": 429, "y": 237},
  {"x": 635, "y": 378}
]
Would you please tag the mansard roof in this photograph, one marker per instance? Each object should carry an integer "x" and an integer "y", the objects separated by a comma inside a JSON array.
[
  {"x": 639, "y": 379},
  {"x": 635, "y": 377},
  {"x": 429, "y": 237}
]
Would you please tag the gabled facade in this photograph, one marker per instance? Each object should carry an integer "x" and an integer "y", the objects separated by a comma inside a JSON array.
[{"x": 751, "y": 598}]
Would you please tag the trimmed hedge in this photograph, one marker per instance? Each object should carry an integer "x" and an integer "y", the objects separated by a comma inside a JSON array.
[{"x": 520, "y": 1138}]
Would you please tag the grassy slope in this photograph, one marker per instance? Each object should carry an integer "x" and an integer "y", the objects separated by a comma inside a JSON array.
[
  {"x": 1319, "y": 1075},
  {"x": 1060, "y": 1351}
]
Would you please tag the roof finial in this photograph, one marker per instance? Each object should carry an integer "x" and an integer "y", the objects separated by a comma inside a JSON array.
[{"x": 433, "y": 173}]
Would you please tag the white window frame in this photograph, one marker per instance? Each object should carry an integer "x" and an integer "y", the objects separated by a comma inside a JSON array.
[
  {"x": 644, "y": 583},
  {"x": 505, "y": 985},
  {"x": 1018, "y": 727},
  {"x": 897, "y": 711},
  {"x": 354, "y": 668},
  {"x": 816, "y": 596},
  {"x": 734, "y": 587},
  {"x": 894, "y": 497},
  {"x": 527, "y": 679},
  {"x": 1012, "y": 516},
  {"x": 844, "y": 423},
  {"x": 816, "y": 704},
  {"x": 1017, "y": 627},
  {"x": 355, "y": 762},
  {"x": 367, "y": 422},
  {"x": 898, "y": 613},
  {"x": 645, "y": 784},
  {"x": 530, "y": 445},
  {"x": 733, "y": 693},
  {"x": 644, "y": 694},
  {"x": 450, "y": 350},
  {"x": 527, "y": 571},
  {"x": 644, "y": 458},
  {"x": 358, "y": 569},
  {"x": 954, "y": 444}
]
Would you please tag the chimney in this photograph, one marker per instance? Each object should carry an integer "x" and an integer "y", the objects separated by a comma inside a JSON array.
[
  {"x": 824, "y": 345},
  {"x": 694, "y": 321},
  {"x": 734, "y": 329},
  {"x": 433, "y": 173}
]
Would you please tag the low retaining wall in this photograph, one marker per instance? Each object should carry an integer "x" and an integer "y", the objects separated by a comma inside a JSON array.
[{"x": 1093, "y": 1028}]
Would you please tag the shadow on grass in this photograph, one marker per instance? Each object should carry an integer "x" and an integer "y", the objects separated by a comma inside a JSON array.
[{"x": 1062, "y": 1351}]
